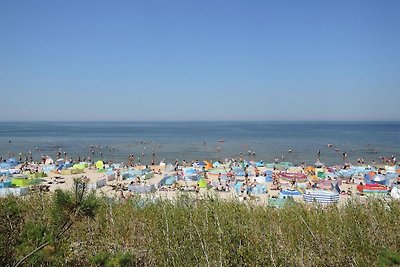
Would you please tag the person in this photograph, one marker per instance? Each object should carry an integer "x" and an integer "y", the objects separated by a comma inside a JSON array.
[
  {"x": 121, "y": 195},
  {"x": 243, "y": 189},
  {"x": 349, "y": 191},
  {"x": 360, "y": 187},
  {"x": 153, "y": 156},
  {"x": 176, "y": 165},
  {"x": 219, "y": 187},
  {"x": 309, "y": 185},
  {"x": 292, "y": 185}
]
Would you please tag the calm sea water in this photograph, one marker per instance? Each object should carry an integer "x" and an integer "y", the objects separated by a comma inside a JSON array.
[{"x": 201, "y": 140}]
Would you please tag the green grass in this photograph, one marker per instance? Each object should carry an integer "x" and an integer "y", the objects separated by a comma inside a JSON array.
[{"x": 209, "y": 232}]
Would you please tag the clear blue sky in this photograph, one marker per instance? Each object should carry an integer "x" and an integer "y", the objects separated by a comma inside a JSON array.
[{"x": 199, "y": 60}]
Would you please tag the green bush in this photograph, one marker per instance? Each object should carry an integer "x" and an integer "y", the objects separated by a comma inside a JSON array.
[
  {"x": 100, "y": 259},
  {"x": 11, "y": 225},
  {"x": 388, "y": 258},
  {"x": 207, "y": 232}
]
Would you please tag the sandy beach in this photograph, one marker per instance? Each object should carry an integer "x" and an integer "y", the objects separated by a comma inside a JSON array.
[{"x": 241, "y": 181}]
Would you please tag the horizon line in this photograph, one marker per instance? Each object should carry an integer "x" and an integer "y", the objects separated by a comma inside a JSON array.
[{"x": 91, "y": 121}]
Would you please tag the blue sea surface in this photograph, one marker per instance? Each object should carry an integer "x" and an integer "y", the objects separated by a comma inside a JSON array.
[{"x": 201, "y": 140}]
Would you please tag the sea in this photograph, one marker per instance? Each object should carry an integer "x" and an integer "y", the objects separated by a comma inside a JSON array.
[{"x": 296, "y": 142}]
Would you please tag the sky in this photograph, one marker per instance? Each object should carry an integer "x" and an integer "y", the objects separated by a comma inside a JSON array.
[{"x": 162, "y": 60}]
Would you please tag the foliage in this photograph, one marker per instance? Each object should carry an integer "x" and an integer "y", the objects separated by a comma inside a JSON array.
[
  {"x": 66, "y": 208},
  {"x": 207, "y": 232},
  {"x": 11, "y": 221},
  {"x": 388, "y": 258},
  {"x": 109, "y": 260}
]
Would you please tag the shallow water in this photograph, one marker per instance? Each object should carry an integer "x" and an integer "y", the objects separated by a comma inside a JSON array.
[{"x": 200, "y": 140}]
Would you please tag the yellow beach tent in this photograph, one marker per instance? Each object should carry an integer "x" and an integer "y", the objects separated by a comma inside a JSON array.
[{"x": 100, "y": 164}]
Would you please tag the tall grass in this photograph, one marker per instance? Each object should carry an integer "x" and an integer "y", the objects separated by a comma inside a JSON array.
[{"x": 207, "y": 232}]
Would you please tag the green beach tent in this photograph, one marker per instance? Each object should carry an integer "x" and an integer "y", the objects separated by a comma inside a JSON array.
[
  {"x": 79, "y": 166},
  {"x": 202, "y": 183}
]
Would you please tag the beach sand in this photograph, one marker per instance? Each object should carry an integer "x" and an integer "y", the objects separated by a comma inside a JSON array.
[{"x": 113, "y": 188}]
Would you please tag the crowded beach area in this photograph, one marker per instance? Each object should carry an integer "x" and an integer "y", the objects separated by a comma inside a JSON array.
[{"x": 266, "y": 183}]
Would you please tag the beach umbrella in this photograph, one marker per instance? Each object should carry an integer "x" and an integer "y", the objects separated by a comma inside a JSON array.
[
  {"x": 321, "y": 175},
  {"x": 201, "y": 163},
  {"x": 216, "y": 164},
  {"x": 390, "y": 169},
  {"x": 259, "y": 163},
  {"x": 13, "y": 161},
  {"x": 268, "y": 172},
  {"x": 190, "y": 171},
  {"x": 5, "y": 165},
  {"x": 170, "y": 180},
  {"x": 346, "y": 173}
]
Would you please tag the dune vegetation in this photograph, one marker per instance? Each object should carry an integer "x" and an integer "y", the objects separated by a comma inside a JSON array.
[{"x": 78, "y": 228}]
